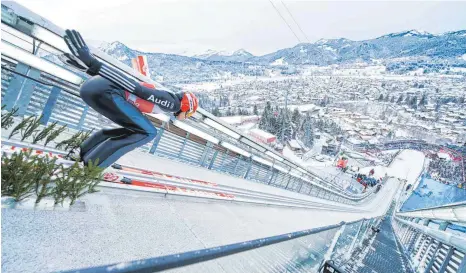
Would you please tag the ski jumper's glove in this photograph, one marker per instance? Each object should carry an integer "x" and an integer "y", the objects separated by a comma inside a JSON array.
[{"x": 166, "y": 100}]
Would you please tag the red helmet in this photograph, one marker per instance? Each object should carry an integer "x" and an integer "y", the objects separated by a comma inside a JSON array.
[{"x": 189, "y": 103}]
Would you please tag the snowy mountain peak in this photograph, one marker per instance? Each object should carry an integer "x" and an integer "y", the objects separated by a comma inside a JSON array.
[
  {"x": 242, "y": 52},
  {"x": 112, "y": 46},
  {"x": 224, "y": 53},
  {"x": 418, "y": 32},
  {"x": 321, "y": 41},
  {"x": 457, "y": 33},
  {"x": 332, "y": 41},
  {"x": 212, "y": 52},
  {"x": 408, "y": 33},
  {"x": 235, "y": 56}
]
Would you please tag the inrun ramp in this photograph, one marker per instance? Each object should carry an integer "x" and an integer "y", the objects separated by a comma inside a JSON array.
[{"x": 385, "y": 254}]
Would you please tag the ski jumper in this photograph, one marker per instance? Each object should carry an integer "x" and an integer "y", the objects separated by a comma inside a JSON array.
[
  {"x": 123, "y": 100},
  {"x": 126, "y": 110}
]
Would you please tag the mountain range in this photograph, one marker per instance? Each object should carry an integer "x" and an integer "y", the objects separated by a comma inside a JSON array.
[{"x": 411, "y": 45}]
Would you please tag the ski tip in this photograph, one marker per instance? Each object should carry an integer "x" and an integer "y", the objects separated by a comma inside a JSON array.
[
  {"x": 117, "y": 166},
  {"x": 126, "y": 180}
]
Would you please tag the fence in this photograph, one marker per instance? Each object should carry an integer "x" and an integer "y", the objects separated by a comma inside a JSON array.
[
  {"x": 302, "y": 251},
  {"x": 431, "y": 250}
]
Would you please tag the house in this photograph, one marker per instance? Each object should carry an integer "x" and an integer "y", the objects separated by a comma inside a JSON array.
[
  {"x": 262, "y": 136},
  {"x": 240, "y": 120},
  {"x": 294, "y": 145},
  {"x": 330, "y": 148}
]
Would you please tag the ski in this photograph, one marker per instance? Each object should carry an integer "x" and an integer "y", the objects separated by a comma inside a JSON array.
[
  {"x": 161, "y": 175},
  {"x": 61, "y": 156},
  {"x": 119, "y": 178},
  {"x": 116, "y": 177}
]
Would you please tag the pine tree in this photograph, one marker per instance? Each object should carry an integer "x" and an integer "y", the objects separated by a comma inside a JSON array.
[
  {"x": 18, "y": 175},
  {"x": 408, "y": 99},
  {"x": 20, "y": 127},
  {"x": 285, "y": 126},
  {"x": 438, "y": 104},
  {"x": 306, "y": 131},
  {"x": 264, "y": 122},
  {"x": 44, "y": 133},
  {"x": 296, "y": 118},
  {"x": 390, "y": 135},
  {"x": 7, "y": 118},
  {"x": 52, "y": 136},
  {"x": 414, "y": 102},
  {"x": 254, "y": 111},
  {"x": 423, "y": 99},
  {"x": 381, "y": 97},
  {"x": 400, "y": 99},
  {"x": 216, "y": 112},
  {"x": 44, "y": 170},
  {"x": 392, "y": 100}
]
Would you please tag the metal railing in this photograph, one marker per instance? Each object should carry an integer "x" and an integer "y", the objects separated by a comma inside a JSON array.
[
  {"x": 431, "y": 250},
  {"x": 301, "y": 251},
  {"x": 408, "y": 144},
  {"x": 453, "y": 213},
  {"x": 433, "y": 238},
  {"x": 56, "y": 98}
]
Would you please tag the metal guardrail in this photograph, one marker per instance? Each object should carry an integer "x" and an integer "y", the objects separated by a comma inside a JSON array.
[
  {"x": 37, "y": 92},
  {"x": 431, "y": 238},
  {"x": 452, "y": 212},
  {"x": 287, "y": 250},
  {"x": 431, "y": 250},
  {"x": 408, "y": 143}
]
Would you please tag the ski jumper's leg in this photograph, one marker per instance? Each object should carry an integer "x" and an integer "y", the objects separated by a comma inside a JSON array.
[
  {"x": 108, "y": 145},
  {"x": 100, "y": 136}
]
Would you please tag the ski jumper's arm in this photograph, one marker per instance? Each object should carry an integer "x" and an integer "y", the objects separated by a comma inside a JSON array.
[{"x": 167, "y": 101}]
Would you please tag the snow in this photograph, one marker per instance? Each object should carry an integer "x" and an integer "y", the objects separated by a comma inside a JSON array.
[
  {"x": 464, "y": 55},
  {"x": 279, "y": 62},
  {"x": 304, "y": 107},
  {"x": 329, "y": 48},
  {"x": 407, "y": 165},
  {"x": 212, "y": 52},
  {"x": 122, "y": 58},
  {"x": 459, "y": 69},
  {"x": 420, "y": 32},
  {"x": 246, "y": 127},
  {"x": 294, "y": 144},
  {"x": 232, "y": 119},
  {"x": 205, "y": 86},
  {"x": 116, "y": 228},
  {"x": 259, "y": 132},
  {"x": 236, "y": 120},
  {"x": 379, "y": 171},
  {"x": 113, "y": 46},
  {"x": 419, "y": 71}
]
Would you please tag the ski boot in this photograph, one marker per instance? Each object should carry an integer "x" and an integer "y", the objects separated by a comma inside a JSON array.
[{"x": 74, "y": 155}]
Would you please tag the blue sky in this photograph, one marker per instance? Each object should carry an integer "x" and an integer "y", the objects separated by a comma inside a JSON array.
[{"x": 193, "y": 26}]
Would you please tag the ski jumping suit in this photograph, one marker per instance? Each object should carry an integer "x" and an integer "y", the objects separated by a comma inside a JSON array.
[
  {"x": 119, "y": 98},
  {"x": 125, "y": 109}
]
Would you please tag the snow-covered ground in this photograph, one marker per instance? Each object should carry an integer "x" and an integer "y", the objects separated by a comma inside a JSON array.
[
  {"x": 120, "y": 225},
  {"x": 407, "y": 165}
]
